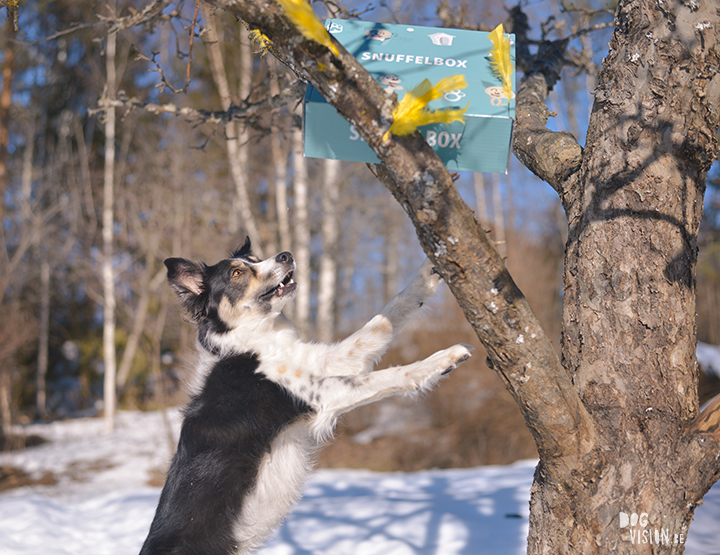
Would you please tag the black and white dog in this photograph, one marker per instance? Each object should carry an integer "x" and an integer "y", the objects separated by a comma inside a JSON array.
[{"x": 266, "y": 400}]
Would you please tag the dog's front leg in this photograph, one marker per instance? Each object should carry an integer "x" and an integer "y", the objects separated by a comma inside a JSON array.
[
  {"x": 360, "y": 351},
  {"x": 336, "y": 395}
]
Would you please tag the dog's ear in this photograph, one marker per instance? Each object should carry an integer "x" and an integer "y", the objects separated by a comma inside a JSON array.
[
  {"x": 245, "y": 250},
  {"x": 187, "y": 280}
]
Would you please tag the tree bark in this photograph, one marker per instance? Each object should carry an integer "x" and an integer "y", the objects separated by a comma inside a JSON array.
[
  {"x": 327, "y": 277},
  {"x": 108, "y": 274},
  {"x": 236, "y": 135},
  {"x": 616, "y": 424},
  {"x": 8, "y": 72},
  {"x": 629, "y": 314},
  {"x": 43, "y": 340},
  {"x": 301, "y": 230},
  {"x": 148, "y": 288},
  {"x": 280, "y": 163}
]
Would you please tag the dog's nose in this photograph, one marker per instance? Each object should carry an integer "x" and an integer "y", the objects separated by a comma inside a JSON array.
[{"x": 284, "y": 258}]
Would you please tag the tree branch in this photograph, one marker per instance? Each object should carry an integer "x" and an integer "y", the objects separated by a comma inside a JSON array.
[
  {"x": 246, "y": 111},
  {"x": 518, "y": 348},
  {"x": 552, "y": 156}
]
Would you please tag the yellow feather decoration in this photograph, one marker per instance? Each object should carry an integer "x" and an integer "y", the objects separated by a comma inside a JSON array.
[
  {"x": 500, "y": 59},
  {"x": 261, "y": 39},
  {"x": 412, "y": 112},
  {"x": 305, "y": 21}
]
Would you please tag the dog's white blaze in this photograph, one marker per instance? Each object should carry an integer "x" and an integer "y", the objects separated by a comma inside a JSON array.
[{"x": 279, "y": 484}]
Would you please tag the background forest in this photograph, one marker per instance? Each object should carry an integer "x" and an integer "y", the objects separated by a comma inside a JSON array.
[{"x": 130, "y": 133}]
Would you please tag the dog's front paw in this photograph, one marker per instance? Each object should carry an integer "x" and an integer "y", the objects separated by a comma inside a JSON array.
[
  {"x": 456, "y": 355},
  {"x": 426, "y": 281},
  {"x": 441, "y": 363}
]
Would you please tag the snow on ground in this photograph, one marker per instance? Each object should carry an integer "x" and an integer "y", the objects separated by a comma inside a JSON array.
[{"x": 103, "y": 505}]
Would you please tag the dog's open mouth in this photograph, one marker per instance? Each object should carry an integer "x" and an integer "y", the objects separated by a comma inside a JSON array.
[{"x": 287, "y": 285}]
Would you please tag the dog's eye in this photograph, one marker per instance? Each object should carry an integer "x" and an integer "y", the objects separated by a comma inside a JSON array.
[{"x": 236, "y": 272}]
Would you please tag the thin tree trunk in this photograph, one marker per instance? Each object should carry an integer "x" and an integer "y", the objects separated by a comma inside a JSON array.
[
  {"x": 327, "y": 277},
  {"x": 391, "y": 248},
  {"x": 44, "y": 317},
  {"x": 108, "y": 274},
  {"x": 147, "y": 288},
  {"x": 6, "y": 400},
  {"x": 498, "y": 216},
  {"x": 301, "y": 231},
  {"x": 280, "y": 163},
  {"x": 43, "y": 340},
  {"x": 480, "y": 200},
  {"x": 8, "y": 72},
  {"x": 160, "y": 393},
  {"x": 236, "y": 135},
  {"x": 86, "y": 178}
]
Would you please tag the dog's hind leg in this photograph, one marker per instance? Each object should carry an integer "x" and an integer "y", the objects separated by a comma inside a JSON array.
[{"x": 336, "y": 395}]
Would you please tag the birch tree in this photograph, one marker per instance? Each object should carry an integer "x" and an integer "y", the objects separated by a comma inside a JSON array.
[
  {"x": 236, "y": 134},
  {"x": 301, "y": 228},
  {"x": 616, "y": 418},
  {"x": 108, "y": 221},
  {"x": 327, "y": 278}
]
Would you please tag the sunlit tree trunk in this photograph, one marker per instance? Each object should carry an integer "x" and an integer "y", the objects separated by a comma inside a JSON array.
[
  {"x": 480, "y": 199},
  {"x": 43, "y": 339},
  {"x": 498, "y": 215},
  {"x": 280, "y": 164},
  {"x": 236, "y": 135},
  {"x": 328, "y": 260},
  {"x": 391, "y": 253},
  {"x": 108, "y": 274},
  {"x": 301, "y": 230}
]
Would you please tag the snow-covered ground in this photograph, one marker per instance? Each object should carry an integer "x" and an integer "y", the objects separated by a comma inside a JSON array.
[{"x": 101, "y": 503}]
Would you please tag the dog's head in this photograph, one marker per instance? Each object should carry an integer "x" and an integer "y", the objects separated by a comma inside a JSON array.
[{"x": 240, "y": 290}]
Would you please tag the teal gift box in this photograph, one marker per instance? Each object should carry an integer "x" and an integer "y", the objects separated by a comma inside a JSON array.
[{"x": 400, "y": 57}]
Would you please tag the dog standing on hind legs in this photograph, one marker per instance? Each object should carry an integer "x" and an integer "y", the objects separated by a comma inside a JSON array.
[{"x": 265, "y": 400}]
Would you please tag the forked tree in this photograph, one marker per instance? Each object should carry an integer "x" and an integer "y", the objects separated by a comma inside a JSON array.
[{"x": 616, "y": 418}]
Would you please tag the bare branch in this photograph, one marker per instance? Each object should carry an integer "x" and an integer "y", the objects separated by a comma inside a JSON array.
[
  {"x": 149, "y": 13},
  {"x": 552, "y": 156},
  {"x": 247, "y": 111}
]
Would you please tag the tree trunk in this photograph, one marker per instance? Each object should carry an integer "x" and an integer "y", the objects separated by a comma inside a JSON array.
[
  {"x": 629, "y": 313},
  {"x": 108, "y": 275},
  {"x": 43, "y": 339},
  {"x": 480, "y": 200},
  {"x": 301, "y": 231},
  {"x": 236, "y": 135},
  {"x": 328, "y": 265},
  {"x": 498, "y": 216},
  {"x": 616, "y": 424},
  {"x": 8, "y": 75},
  {"x": 391, "y": 254},
  {"x": 148, "y": 287},
  {"x": 8, "y": 72},
  {"x": 280, "y": 164}
]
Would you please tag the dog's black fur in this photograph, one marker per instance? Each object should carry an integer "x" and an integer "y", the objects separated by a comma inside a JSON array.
[{"x": 228, "y": 427}]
